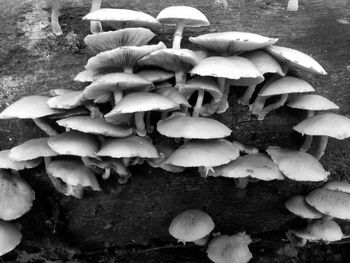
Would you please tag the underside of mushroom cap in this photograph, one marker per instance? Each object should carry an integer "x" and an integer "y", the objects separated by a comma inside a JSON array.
[
  {"x": 173, "y": 94},
  {"x": 297, "y": 165},
  {"x": 325, "y": 124},
  {"x": 7, "y": 163},
  {"x": 296, "y": 59},
  {"x": 67, "y": 101},
  {"x": 342, "y": 186},
  {"x": 230, "y": 43},
  {"x": 313, "y": 102},
  {"x": 299, "y": 207},
  {"x": 264, "y": 62},
  {"x": 10, "y": 237},
  {"x": 189, "y": 16}
]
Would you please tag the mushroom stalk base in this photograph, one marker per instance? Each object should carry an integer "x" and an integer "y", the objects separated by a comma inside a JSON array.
[
  {"x": 244, "y": 100},
  {"x": 140, "y": 124},
  {"x": 199, "y": 103},
  {"x": 45, "y": 127},
  {"x": 95, "y": 26},
  {"x": 55, "y": 12},
  {"x": 321, "y": 147},
  {"x": 272, "y": 106},
  {"x": 178, "y": 35}
]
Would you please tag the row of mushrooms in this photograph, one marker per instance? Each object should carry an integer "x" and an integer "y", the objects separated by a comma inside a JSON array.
[{"x": 110, "y": 124}]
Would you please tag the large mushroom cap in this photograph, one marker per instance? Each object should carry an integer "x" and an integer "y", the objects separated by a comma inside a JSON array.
[
  {"x": 325, "y": 124},
  {"x": 189, "y": 16},
  {"x": 87, "y": 124},
  {"x": 264, "y": 62},
  {"x": 67, "y": 101},
  {"x": 342, "y": 186},
  {"x": 321, "y": 230},
  {"x": 16, "y": 196},
  {"x": 74, "y": 143},
  {"x": 30, "y": 107},
  {"x": 297, "y": 165},
  {"x": 123, "y": 37},
  {"x": 299, "y": 207},
  {"x": 32, "y": 149},
  {"x": 312, "y": 102},
  {"x": 10, "y": 237},
  {"x": 204, "y": 153},
  {"x": 328, "y": 202},
  {"x": 7, "y": 163},
  {"x": 296, "y": 58},
  {"x": 230, "y": 43},
  {"x": 258, "y": 166},
  {"x": 129, "y": 147},
  {"x": 179, "y": 126},
  {"x": 191, "y": 225}
]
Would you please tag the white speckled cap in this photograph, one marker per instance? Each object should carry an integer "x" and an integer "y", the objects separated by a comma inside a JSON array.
[
  {"x": 286, "y": 85},
  {"x": 189, "y": 16}
]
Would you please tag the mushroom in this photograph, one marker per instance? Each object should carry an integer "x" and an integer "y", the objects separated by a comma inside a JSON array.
[
  {"x": 95, "y": 26},
  {"x": 342, "y": 186},
  {"x": 325, "y": 125},
  {"x": 299, "y": 207},
  {"x": 156, "y": 75},
  {"x": 7, "y": 163},
  {"x": 10, "y": 237},
  {"x": 230, "y": 249},
  {"x": 311, "y": 103},
  {"x": 182, "y": 16},
  {"x": 55, "y": 12},
  {"x": 192, "y": 226}
]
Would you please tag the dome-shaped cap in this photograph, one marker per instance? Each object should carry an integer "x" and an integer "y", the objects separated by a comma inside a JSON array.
[
  {"x": 173, "y": 94},
  {"x": 123, "y": 37},
  {"x": 342, "y": 186},
  {"x": 156, "y": 75},
  {"x": 179, "y": 126},
  {"x": 296, "y": 59},
  {"x": 95, "y": 126},
  {"x": 258, "y": 166},
  {"x": 7, "y": 163},
  {"x": 325, "y": 124},
  {"x": 67, "y": 101},
  {"x": 286, "y": 85},
  {"x": 30, "y": 107},
  {"x": 299, "y": 207},
  {"x": 230, "y": 249},
  {"x": 32, "y": 149},
  {"x": 206, "y": 153},
  {"x": 232, "y": 42},
  {"x": 191, "y": 225},
  {"x": 297, "y": 165},
  {"x": 128, "y": 147},
  {"x": 16, "y": 196},
  {"x": 312, "y": 102},
  {"x": 208, "y": 84},
  {"x": 264, "y": 62},
  {"x": 10, "y": 237},
  {"x": 189, "y": 16},
  {"x": 74, "y": 143},
  {"x": 87, "y": 76},
  {"x": 321, "y": 230},
  {"x": 328, "y": 202}
]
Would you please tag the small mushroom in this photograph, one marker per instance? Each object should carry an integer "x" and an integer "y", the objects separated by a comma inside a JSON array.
[
  {"x": 299, "y": 207},
  {"x": 10, "y": 237},
  {"x": 342, "y": 186},
  {"x": 7, "y": 163}
]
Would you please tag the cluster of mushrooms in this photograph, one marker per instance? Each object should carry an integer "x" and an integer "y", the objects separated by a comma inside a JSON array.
[{"x": 137, "y": 94}]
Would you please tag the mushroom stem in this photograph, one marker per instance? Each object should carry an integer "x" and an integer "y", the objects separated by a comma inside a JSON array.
[
  {"x": 149, "y": 127},
  {"x": 57, "y": 183},
  {"x": 94, "y": 110},
  {"x": 74, "y": 190},
  {"x": 258, "y": 104},
  {"x": 244, "y": 100},
  {"x": 241, "y": 183},
  {"x": 308, "y": 138},
  {"x": 321, "y": 147},
  {"x": 273, "y": 106},
  {"x": 140, "y": 124},
  {"x": 95, "y": 26},
  {"x": 45, "y": 126},
  {"x": 164, "y": 115},
  {"x": 244, "y": 148},
  {"x": 106, "y": 174},
  {"x": 225, "y": 89},
  {"x": 128, "y": 69},
  {"x": 178, "y": 35},
  {"x": 199, "y": 103},
  {"x": 55, "y": 12},
  {"x": 293, "y": 5},
  {"x": 118, "y": 95},
  {"x": 180, "y": 79}
]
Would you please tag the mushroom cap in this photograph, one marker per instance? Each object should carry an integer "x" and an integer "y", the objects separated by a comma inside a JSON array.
[
  {"x": 312, "y": 102},
  {"x": 258, "y": 166},
  {"x": 74, "y": 143},
  {"x": 30, "y": 107},
  {"x": 180, "y": 126},
  {"x": 264, "y": 62},
  {"x": 143, "y": 101},
  {"x": 285, "y": 85},
  {"x": 79, "y": 111},
  {"x": 297, "y": 165},
  {"x": 115, "y": 17},
  {"x": 172, "y": 59},
  {"x": 342, "y": 186},
  {"x": 299, "y": 207},
  {"x": 325, "y": 124},
  {"x": 230, "y": 249},
  {"x": 328, "y": 202},
  {"x": 296, "y": 59},
  {"x": 132, "y": 146},
  {"x": 121, "y": 57},
  {"x": 227, "y": 67},
  {"x": 87, "y": 76},
  {"x": 208, "y": 84},
  {"x": 67, "y": 101},
  {"x": 189, "y": 16},
  {"x": 206, "y": 153},
  {"x": 156, "y": 75},
  {"x": 123, "y": 37},
  {"x": 16, "y": 196},
  {"x": 191, "y": 225},
  {"x": 115, "y": 82},
  {"x": 32, "y": 149},
  {"x": 10, "y": 237},
  {"x": 74, "y": 173},
  {"x": 321, "y": 230},
  {"x": 58, "y": 92},
  {"x": 173, "y": 94},
  {"x": 232, "y": 42},
  {"x": 7, "y": 163}
]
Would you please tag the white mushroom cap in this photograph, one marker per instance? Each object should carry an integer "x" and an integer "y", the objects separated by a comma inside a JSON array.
[
  {"x": 173, "y": 94},
  {"x": 189, "y": 16},
  {"x": 296, "y": 59},
  {"x": 67, "y": 101},
  {"x": 312, "y": 102},
  {"x": 10, "y": 237},
  {"x": 264, "y": 62},
  {"x": 286, "y": 85},
  {"x": 297, "y": 165},
  {"x": 342, "y": 186},
  {"x": 325, "y": 124},
  {"x": 321, "y": 230},
  {"x": 328, "y": 202},
  {"x": 191, "y": 225},
  {"x": 7, "y": 163},
  {"x": 87, "y": 76},
  {"x": 299, "y": 207},
  {"x": 156, "y": 75},
  {"x": 208, "y": 84}
]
